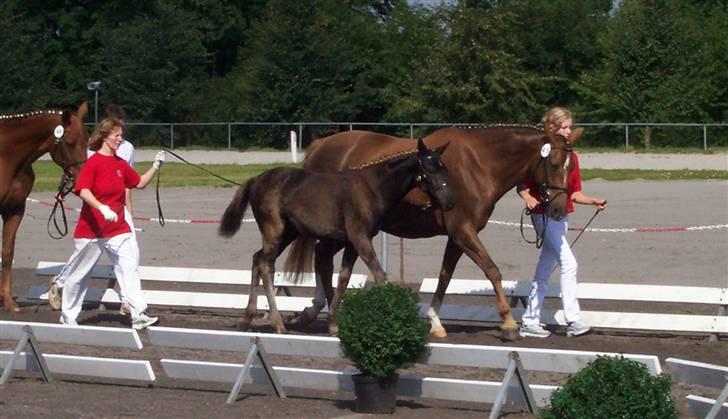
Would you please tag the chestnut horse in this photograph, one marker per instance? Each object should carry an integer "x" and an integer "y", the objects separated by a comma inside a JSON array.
[
  {"x": 483, "y": 164},
  {"x": 299, "y": 206},
  {"x": 23, "y": 139}
]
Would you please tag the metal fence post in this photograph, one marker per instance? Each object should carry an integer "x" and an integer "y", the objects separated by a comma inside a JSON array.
[
  {"x": 230, "y": 136},
  {"x": 171, "y": 136},
  {"x": 626, "y": 136},
  {"x": 705, "y": 137}
]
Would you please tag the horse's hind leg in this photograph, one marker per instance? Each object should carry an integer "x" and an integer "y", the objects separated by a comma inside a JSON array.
[
  {"x": 347, "y": 266},
  {"x": 11, "y": 222},
  {"x": 268, "y": 269},
  {"x": 252, "y": 308},
  {"x": 324, "y": 267}
]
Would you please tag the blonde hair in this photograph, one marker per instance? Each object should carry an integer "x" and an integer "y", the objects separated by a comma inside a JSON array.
[
  {"x": 554, "y": 117},
  {"x": 103, "y": 129}
]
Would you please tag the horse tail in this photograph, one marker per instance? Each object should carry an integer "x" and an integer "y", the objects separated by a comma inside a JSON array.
[
  {"x": 300, "y": 257},
  {"x": 233, "y": 216}
]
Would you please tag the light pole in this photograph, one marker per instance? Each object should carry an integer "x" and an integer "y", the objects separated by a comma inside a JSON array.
[{"x": 94, "y": 85}]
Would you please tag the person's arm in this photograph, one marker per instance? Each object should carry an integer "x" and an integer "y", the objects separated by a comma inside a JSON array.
[
  {"x": 147, "y": 177},
  {"x": 88, "y": 197},
  {"x": 581, "y": 198},
  {"x": 524, "y": 192},
  {"x": 127, "y": 200}
]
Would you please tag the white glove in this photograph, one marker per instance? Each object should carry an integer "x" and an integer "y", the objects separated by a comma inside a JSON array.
[
  {"x": 108, "y": 214},
  {"x": 159, "y": 159}
]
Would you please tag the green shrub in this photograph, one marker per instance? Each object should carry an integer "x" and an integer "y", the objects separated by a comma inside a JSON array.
[
  {"x": 613, "y": 387},
  {"x": 380, "y": 329}
]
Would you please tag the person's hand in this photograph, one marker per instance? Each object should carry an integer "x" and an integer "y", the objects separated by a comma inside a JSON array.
[
  {"x": 531, "y": 202},
  {"x": 159, "y": 159},
  {"x": 108, "y": 214},
  {"x": 601, "y": 204}
]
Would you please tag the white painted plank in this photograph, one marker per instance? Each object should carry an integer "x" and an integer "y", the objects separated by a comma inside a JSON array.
[
  {"x": 692, "y": 372},
  {"x": 533, "y": 359},
  {"x": 316, "y": 346},
  {"x": 553, "y": 360},
  {"x": 700, "y": 406},
  {"x": 596, "y": 291},
  {"x": 201, "y": 275},
  {"x": 126, "y": 369},
  {"x": 605, "y": 319},
  {"x": 409, "y": 386},
  {"x": 80, "y": 335}
]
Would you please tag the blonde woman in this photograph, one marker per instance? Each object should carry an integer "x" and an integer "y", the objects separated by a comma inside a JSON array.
[{"x": 555, "y": 249}]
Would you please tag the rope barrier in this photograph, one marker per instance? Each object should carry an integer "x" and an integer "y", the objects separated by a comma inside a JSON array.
[{"x": 671, "y": 229}]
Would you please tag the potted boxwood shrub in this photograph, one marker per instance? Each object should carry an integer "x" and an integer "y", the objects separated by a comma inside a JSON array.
[{"x": 380, "y": 332}]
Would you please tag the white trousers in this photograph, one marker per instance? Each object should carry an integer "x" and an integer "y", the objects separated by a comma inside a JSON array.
[
  {"x": 555, "y": 250},
  {"x": 123, "y": 252}
]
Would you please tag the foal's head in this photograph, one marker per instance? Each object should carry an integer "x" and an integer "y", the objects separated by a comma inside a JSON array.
[
  {"x": 552, "y": 172},
  {"x": 433, "y": 175},
  {"x": 71, "y": 140}
]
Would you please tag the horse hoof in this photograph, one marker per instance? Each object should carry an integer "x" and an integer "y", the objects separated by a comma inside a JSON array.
[
  {"x": 438, "y": 333},
  {"x": 281, "y": 330},
  {"x": 333, "y": 329},
  {"x": 509, "y": 334}
]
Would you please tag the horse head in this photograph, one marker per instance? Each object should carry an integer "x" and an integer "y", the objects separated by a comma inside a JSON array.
[
  {"x": 71, "y": 141},
  {"x": 433, "y": 174},
  {"x": 552, "y": 172}
]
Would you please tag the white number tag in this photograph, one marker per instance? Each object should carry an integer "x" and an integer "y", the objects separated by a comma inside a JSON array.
[
  {"x": 58, "y": 132},
  {"x": 545, "y": 150}
]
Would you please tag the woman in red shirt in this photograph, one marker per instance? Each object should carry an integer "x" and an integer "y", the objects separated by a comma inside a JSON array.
[
  {"x": 101, "y": 225},
  {"x": 555, "y": 247}
]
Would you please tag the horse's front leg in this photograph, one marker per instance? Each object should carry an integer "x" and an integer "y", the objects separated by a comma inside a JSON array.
[
  {"x": 347, "y": 266},
  {"x": 364, "y": 248},
  {"x": 468, "y": 240},
  {"x": 449, "y": 261},
  {"x": 11, "y": 222}
]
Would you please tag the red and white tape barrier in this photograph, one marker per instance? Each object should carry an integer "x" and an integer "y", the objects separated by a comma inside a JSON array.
[{"x": 671, "y": 229}]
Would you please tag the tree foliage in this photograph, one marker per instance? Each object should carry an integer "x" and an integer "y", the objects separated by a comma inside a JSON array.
[{"x": 369, "y": 60}]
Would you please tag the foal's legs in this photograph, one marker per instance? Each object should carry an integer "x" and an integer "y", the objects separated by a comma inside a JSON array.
[
  {"x": 251, "y": 309},
  {"x": 347, "y": 266},
  {"x": 324, "y": 252},
  {"x": 363, "y": 247}
]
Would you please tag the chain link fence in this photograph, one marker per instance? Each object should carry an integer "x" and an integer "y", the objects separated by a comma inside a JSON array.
[{"x": 246, "y": 135}]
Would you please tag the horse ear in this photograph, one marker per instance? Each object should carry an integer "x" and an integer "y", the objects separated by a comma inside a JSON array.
[
  {"x": 442, "y": 148},
  {"x": 576, "y": 135},
  {"x": 82, "y": 110},
  {"x": 421, "y": 146}
]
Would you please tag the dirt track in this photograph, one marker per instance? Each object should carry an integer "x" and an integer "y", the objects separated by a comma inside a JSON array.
[{"x": 670, "y": 257}]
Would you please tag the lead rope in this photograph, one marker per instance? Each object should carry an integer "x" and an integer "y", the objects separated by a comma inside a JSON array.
[
  {"x": 159, "y": 175},
  {"x": 539, "y": 237},
  {"x": 63, "y": 190}
]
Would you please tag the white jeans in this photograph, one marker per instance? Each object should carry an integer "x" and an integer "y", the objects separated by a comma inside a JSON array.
[
  {"x": 123, "y": 252},
  {"x": 555, "y": 250}
]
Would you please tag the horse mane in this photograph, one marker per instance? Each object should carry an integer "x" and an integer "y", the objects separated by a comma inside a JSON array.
[
  {"x": 497, "y": 125},
  {"x": 383, "y": 159},
  {"x": 32, "y": 113}
]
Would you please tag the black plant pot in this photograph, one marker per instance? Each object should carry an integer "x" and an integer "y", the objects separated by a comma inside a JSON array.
[{"x": 375, "y": 395}]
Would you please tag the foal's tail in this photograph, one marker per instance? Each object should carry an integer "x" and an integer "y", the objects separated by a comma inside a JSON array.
[
  {"x": 300, "y": 257},
  {"x": 233, "y": 216}
]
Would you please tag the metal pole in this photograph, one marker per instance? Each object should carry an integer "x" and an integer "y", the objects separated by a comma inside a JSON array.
[
  {"x": 171, "y": 136},
  {"x": 300, "y": 136},
  {"x": 626, "y": 136},
  {"x": 705, "y": 137},
  {"x": 385, "y": 258},
  {"x": 96, "y": 106},
  {"x": 230, "y": 135}
]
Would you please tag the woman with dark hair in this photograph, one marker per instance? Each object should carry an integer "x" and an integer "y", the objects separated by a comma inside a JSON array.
[{"x": 101, "y": 226}]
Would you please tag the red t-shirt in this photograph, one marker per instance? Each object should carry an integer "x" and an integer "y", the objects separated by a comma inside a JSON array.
[
  {"x": 573, "y": 185},
  {"x": 106, "y": 177}
]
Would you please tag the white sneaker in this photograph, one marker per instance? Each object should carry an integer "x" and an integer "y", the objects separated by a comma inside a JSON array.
[
  {"x": 577, "y": 329},
  {"x": 533, "y": 331},
  {"x": 68, "y": 321},
  {"x": 143, "y": 321}
]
